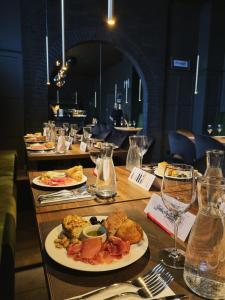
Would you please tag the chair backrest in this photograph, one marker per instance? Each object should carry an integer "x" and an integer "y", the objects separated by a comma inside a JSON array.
[
  {"x": 203, "y": 143},
  {"x": 119, "y": 138},
  {"x": 182, "y": 146}
]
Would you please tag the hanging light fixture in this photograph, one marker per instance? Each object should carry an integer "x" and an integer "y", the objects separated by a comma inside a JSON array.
[
  {"x": 46, "y": 43},
  {"x": 63, "y": 36},
  {"x": 111, "y": 20}
]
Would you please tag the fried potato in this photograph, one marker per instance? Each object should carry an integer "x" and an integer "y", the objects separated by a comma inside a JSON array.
[
  {"x": 73, "y": 225},
  {"x": 72, "y": 170},
  {"x": 114, "y": 220},
  {"x": 77, "y": 175},
  {"x": 130, "y": 231}
]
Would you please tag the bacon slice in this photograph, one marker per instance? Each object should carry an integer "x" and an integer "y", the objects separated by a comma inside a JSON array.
[
  {"x": 74, "y": 249},
  {"x": 117, "y": 247},
  {"x": 91, "y": 247}
]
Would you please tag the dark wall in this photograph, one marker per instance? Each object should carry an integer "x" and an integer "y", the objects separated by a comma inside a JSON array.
[
  {"x": 11, "y": 77},
  {"x": 148, "y": 32}
]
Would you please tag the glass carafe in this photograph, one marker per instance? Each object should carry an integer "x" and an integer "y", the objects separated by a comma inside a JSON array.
[
  {"x": 214, "y": 160},
  {"x": 61, "y": 144},
  {"x": 106, "y": 176},
  {"x": 133, "y": 157},
  {"x": 205, "y": 254}
]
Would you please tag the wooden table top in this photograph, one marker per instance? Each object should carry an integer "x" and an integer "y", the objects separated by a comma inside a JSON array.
[
  {"x": 74, "y": 153},
  {"x": 126, "y": 191},
  {"x": 63, "y": 282}
]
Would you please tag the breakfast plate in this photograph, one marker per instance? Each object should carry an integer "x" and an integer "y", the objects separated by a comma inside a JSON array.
[
  {"x": 175, "y": 177},
  {"x": 30, "y": 148},
  {"x": 38, "y": 182},
  {"x": 99, "y": 146},
  {"x": 60, "y": 256}
]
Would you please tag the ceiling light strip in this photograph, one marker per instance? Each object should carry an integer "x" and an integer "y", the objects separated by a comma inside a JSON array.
[
  {"x": 63, "y": 34},
  {"x": 110, "y": 19},
  {"x": 46, "y": 43}
]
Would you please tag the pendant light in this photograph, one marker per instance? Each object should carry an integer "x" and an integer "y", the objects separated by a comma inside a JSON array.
[
  {"x": 111, "y": 20},
  {"x": 46, "y": 43},
  {"x": 63, "y": 36}
]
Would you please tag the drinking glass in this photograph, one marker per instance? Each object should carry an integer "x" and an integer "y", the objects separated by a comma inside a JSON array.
[
  {"x": 66, "y": 126},
  {"x": 219, "y": 128},
  {"x": 143, "y": 145},
  {"x": 209, "y": 129},
  {"x": 178, "y": 193},
  {"x": 87, "y": 133},
  {"x": 73, "y": 131},
  {"x": 134, "y": 123}
]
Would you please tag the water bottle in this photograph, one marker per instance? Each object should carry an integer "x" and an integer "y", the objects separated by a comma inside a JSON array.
[
  {"x": 133, "y": 157},
  {"x": 106, "y": 176},
  {"x": 204, "y": 267},
  {"x": 214, "y": 160}
]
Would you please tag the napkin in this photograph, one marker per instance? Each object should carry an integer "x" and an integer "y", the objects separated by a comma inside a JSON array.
[{"x": 121, "y": 289}]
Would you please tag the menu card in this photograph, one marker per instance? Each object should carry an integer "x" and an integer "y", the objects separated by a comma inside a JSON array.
[
  {"x": 159, "y": 214},
  {"x": 141, "y": 178}
]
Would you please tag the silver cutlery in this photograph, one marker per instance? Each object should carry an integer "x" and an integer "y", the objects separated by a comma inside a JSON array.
[
  {"x": 149, "y": 277},
  {"x": 153, "y": 288},
  {"x": 63, "y": 195}
]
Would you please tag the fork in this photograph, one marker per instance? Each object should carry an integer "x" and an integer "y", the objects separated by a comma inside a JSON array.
[
  {"x": 150, "y": 277},
  {"x": 63, "y": 195},
  {"x": 152, "y": 289}
]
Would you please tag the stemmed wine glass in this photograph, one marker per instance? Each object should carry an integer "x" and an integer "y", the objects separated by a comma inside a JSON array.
[
  {"x": 73, "y": 131},
  {"x": 66, "y": 126},
  {"x": 178, "y": 193},
  {"x": 219, "y": 128},
  {"x": 143, "y": 145},
  {"x": 209, "y": 129}
]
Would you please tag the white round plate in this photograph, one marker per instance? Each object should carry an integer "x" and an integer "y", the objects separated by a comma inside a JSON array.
[
  {"x": 60, "y": 256},
  {"x": 174, "y": 177},
  {"x": 46, "y": 149},
  {"x": 36, "y": 181}
]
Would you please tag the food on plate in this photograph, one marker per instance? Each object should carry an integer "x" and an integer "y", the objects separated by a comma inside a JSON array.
[
  {"x": 98, "y": 145},
  {"x": 45, "y": 146},
  {"x": 161, "y": 168},
  {"x": 130, "y": 231},
  {"x": 118, "y": 224},
  {"x": 114, "y": 220},
  {"x": 73, "y": 225},
  {"x": 75, "y": 172},
  {"x": 56, "y": 178},
  {"x": 87, "y": 243}
]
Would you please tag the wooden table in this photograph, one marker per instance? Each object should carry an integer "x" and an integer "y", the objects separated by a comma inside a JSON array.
[
  {"x": 126, "y": 191},
  {"x": 63, "y": 282},
  {"x": 75, "y": 153}
]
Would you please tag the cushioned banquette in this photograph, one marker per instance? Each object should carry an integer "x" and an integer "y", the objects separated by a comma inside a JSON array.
[{"x": 7, "y": 223}]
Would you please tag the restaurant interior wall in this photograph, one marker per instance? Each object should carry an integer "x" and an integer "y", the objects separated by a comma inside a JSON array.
[{"x": 149, "y": 31}]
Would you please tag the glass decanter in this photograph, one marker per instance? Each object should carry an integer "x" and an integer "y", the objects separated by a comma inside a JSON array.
[
  {"x": 214, "y": 160},
  {"x": 106, "y": 176},
  {"x": 133, "y": 157},
  {"x": 204, "y": 267}
]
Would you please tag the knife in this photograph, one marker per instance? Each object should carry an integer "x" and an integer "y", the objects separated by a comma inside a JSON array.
[{"x": 172, "y": 297}]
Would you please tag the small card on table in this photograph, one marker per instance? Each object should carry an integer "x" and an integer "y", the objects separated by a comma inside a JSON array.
[
  {"x": 141, "y": 178},
  {"x": 83, "y": 146},
  {"x": 159, "y": 214}
]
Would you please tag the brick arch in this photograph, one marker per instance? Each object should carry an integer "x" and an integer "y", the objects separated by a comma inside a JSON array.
[{"x": 119, "y": 40}]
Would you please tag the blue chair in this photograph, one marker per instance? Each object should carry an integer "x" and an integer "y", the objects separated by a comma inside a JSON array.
[
  {"x": 203, "y": 143},
  {"x": 182, "y": 149}
]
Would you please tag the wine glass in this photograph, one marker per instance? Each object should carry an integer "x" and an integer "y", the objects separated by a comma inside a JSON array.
[
  {"x": 178, "y": 193},
  {"x": 87, "y": 133},
  {"x": 209, "y": 129},
  {"x": 134, "y": 123},
  {"x": 143, "y": 145},
  {"x": 66, "y": 126},
  {"x": 219, "y": 128},
  {"x": 73, "y": 131}
]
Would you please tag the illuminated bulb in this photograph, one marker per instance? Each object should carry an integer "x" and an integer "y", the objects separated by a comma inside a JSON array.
[
  {"x": 57, "y": 63},
  {"x": 48, "y": 83},
  {"x": 111, "y": 22}
]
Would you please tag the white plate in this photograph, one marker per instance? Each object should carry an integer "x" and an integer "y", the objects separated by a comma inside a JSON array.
[
  {"x": 60, "y": 256},
  {"x": 99, "y": 147},
  {"x": 37, "y": 182},
  {"x": 46, "y": 149},
  {"x": 174, "y": 177}
]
